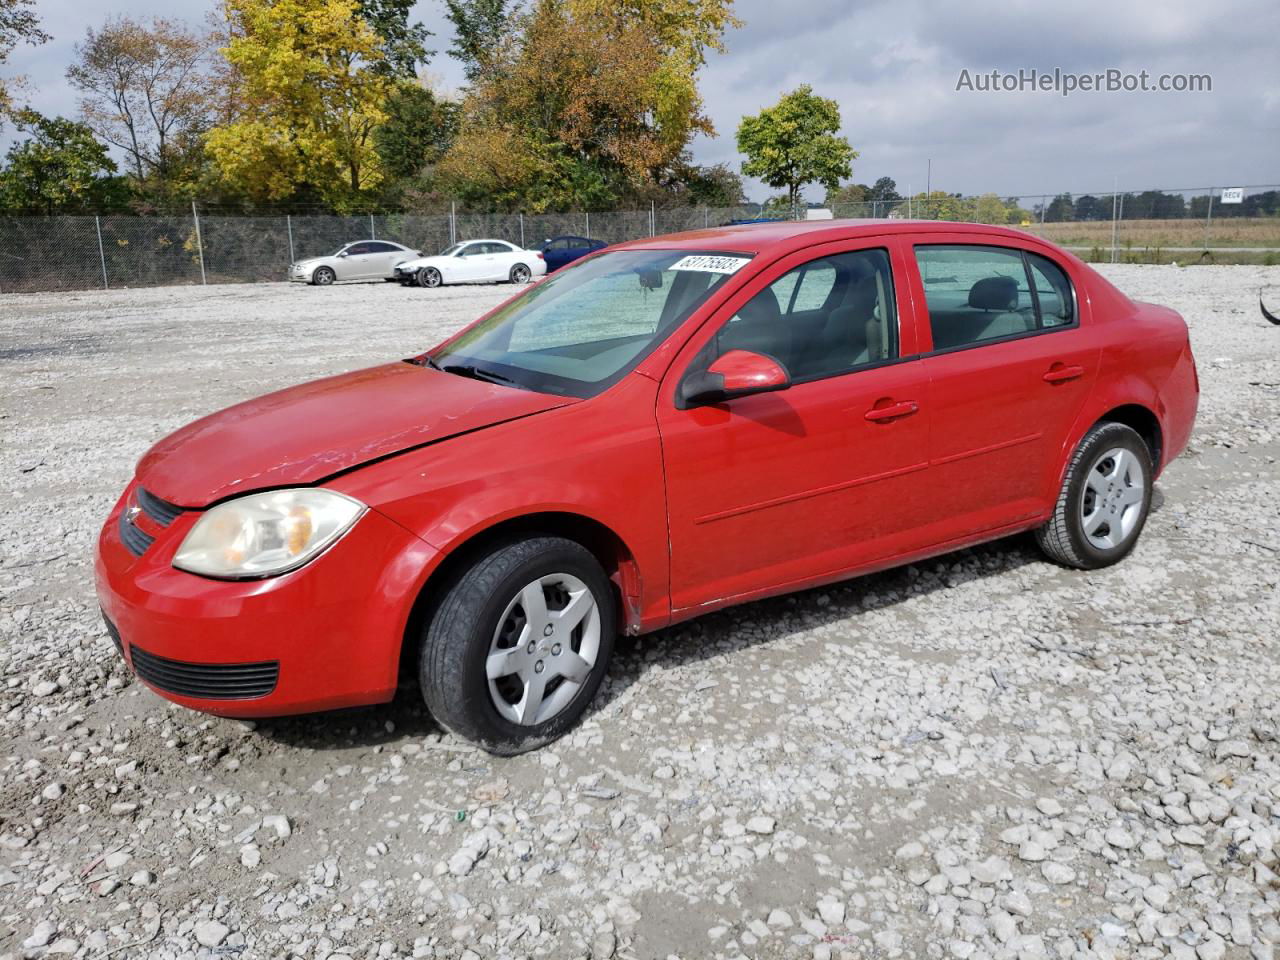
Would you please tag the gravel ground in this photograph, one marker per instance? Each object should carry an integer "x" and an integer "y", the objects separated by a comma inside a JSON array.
[{"x": 979, "y": 756}]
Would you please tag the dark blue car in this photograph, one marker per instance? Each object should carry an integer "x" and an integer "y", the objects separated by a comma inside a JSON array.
[{"x": 561, "y": 250}]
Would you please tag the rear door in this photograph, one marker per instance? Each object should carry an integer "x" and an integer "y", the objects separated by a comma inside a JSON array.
[
  {"x": 385, "y": 257},
  {"x": 775, "y": 489},
  {"x": 499, "y": 261},
  {"x": 1010, "y": 366}
]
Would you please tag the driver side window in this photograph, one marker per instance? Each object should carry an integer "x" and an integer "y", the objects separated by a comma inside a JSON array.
[{"x": 821, "y": 319}]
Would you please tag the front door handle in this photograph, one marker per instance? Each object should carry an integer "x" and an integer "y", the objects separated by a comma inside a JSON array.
[
  {"x": 1061, "y": 373},
  {"x": 892, "y": 411}
]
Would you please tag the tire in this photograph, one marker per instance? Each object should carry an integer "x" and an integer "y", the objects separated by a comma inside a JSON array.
[
  {"x": 482, "y": 626},
  {"x": 429, "y": 277},
  {"x": 520, "y": 273},
  {"x": 1104, "y": 502},
  {"x": 323, "y": 276}
]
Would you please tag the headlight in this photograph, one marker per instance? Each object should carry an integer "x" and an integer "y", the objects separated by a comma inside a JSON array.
[{"x": 264, "y": 534}]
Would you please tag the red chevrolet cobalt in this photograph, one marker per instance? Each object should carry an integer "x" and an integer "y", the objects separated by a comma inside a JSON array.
[{"x": 665, "y": 428}]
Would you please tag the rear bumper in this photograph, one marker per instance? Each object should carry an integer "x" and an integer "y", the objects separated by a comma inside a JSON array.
[{"x": 324, "y": 636}]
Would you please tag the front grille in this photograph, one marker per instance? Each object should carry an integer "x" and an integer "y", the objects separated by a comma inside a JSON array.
[
  {"x": 161, "y": 511},
  {"x": 136, "y": 540},
  {"x": 207, "y": 681}
]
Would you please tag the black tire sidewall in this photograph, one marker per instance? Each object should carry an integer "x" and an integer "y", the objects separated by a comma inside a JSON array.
[
  {"x": 470, "y": 710},
  {"x": 323, "y": 272},
  {"x": 1100, "y": 440}
]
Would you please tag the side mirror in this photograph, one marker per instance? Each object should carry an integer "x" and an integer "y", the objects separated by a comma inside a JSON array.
[
  {"x": 738, "y": 373},
  {"x": 342, "y": 253}
]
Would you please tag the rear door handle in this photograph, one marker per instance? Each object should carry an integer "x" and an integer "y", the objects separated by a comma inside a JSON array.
[
  {"x": 892, "y": 412},
  {"x": 1060, "y": 373}
]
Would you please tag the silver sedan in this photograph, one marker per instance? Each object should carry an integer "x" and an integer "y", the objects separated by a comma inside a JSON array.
[{"x": 362, "y": 260}]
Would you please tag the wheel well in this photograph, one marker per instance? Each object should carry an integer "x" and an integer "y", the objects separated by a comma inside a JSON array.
[
  {"x": 1144, "y": 422},
  {"x": 605, "y": 545}
]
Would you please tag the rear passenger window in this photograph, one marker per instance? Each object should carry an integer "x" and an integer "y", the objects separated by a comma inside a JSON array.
[
  {"x": 824, "y": 318},
  {"x": 977, "y": 293},
  {"x": 1053, "y": 292}
]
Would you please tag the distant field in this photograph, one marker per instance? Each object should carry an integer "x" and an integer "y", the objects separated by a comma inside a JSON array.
[{"x": 1144, "y": 241}]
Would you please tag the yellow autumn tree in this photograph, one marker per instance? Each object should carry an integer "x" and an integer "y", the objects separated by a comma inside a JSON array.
[{"x": 310, "y": 95}]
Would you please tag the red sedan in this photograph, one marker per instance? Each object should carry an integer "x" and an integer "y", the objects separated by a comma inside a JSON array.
[{"x": 665, "y": 428}]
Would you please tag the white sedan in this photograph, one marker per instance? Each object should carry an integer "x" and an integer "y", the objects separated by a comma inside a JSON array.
[
  {"x": 474, "y": 261},
  {"x": 362, "y": 260}
]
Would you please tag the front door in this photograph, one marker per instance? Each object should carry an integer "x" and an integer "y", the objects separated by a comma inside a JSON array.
[
  {"x": 769, "y": 490},
  {"x": 1010, "y": 369}
]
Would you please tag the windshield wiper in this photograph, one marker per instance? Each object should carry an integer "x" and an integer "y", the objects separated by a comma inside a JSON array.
[
  {"x": 429, "y": 361},
  {"x": 477, "y": 373}
]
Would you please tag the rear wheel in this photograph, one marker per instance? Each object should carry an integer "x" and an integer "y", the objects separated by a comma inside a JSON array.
[
  {"x": 429, "y": 277},
  {"x": 519, "y": 644},
  {"x": 520, "y": 273},
  {"x": 323, "y": 276},
  {"x": 1104, "y": 501}
]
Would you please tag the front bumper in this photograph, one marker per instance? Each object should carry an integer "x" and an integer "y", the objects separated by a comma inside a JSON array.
[{"x": 324, "y": 636}]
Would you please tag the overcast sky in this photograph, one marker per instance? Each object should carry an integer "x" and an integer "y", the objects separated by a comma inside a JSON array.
[{"x": 893, "y": 67}]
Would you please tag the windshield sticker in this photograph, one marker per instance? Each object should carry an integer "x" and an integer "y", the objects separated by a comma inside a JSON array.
[{"x": 702, "y": 263}]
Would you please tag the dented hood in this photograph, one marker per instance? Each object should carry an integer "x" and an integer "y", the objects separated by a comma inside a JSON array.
[{"x": 307, "y": 433}]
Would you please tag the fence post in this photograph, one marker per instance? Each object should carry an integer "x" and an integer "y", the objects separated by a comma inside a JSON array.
[
  {"x": 102, "y": 255},
  {"x": 373, "y": 234},
  {"x": 288, "y": 225},
  {"x": 453, "y": 223},
  {"x": 587, "y": 213},
  {"x": 1208, "y": 220},
  {"x": 706, "y": 217},
  {"x": 199, "y": 241},
  {"x": 653, "y": 220},
  {"x": 522, "y": 246}
]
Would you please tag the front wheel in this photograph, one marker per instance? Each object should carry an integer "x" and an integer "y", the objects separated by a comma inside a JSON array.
[
  {"x": 1104, "y": 501},
  {"x": 519, "y": 645},
  {"x": 429, "y": 277},
  {"x": 520, "y": 273},
  {"x": 323, "y": 276}
]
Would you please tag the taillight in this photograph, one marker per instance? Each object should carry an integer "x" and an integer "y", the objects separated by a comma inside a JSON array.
[{"x": 541, "y": 257}]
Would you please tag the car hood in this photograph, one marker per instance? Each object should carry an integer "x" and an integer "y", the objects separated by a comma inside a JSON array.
[
  {"x": 419, "y": 262},
  {"x": 310, "y": 432},
  {"x": 312, "y": 261}
]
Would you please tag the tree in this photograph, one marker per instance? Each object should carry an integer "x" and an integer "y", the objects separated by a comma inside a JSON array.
[
  {"x": 146, "y": 90},
  {"x": 18, "y": 25},
  {"x": 403, "y": 44},
  {"x": 418, "y": 130},
  {"x": 713, "y": 186},
  {"x": 795, "y": 143},
  {"x": 60, "y": 168},
  {"x": 885, "y": 190},
  {"x": 849, "y": 195},
  {"x": 684, "y": 31},
  {"x": 1089, "y": 207},
  {"x": 479, "y": 27},
  {"x": 939, "y": 205},
  {"x": 568, "y": 116},
  {"x": 310, "y": 76},
  {"x": 1060, "y": 209},
  {"x": 989, "y": 208}
]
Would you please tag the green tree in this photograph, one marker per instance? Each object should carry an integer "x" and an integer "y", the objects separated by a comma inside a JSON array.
[
  {"x": 479, "y": 27},
  {"x": 795, "y": 142},
  {"x": 989, "y": 208},
  {"x": 885, "y": 190},
  {"x": 418, "y": 130},
  {"x": 403, "y": 44},
  {"x": 18, "y": 24},
  {"x": 847, "y": 196},
  {"x": 714, "y": 186},
  {"x": 60, "y": 168}
]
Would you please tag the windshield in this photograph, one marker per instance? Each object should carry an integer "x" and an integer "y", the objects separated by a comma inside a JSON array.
[
  {"x": 583, "y": 329},
  {"x": 449, "y": 251}
]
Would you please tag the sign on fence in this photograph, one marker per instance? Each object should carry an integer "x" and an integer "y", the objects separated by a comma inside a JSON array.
[{"x": 1233, "y": 194}]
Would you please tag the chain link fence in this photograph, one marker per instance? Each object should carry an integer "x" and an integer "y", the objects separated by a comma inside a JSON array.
[{"x": 75, "y": 253}]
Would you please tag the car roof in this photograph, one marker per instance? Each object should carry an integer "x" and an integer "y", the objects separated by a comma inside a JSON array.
[
  {"x": 759, "y": 237},
  {"x": 488, "y": 240}
]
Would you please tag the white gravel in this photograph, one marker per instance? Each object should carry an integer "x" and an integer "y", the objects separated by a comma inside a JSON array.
[{"x": 979, "y": 756}]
